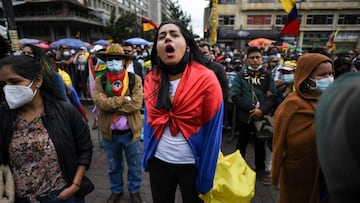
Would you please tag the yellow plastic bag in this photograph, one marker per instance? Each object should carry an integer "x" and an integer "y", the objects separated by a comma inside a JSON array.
[{"x": 234, "y": 181}]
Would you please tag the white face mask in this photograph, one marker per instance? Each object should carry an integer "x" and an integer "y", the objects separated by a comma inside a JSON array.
[
  {"x": 114, "y": 65},
  {"x": 254, "y": 69},
  {"x": 322, "y": 84},
  {"x": 18, "y": 95}
]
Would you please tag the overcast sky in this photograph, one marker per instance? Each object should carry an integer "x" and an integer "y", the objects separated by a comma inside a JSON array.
[{"x": 195, "y": 8}]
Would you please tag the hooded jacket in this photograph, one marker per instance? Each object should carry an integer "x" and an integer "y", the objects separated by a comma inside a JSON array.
[{"x": 295, "y": 163}]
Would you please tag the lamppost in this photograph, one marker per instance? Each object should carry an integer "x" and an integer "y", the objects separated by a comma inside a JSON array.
[{"x": 10, "y": 24}]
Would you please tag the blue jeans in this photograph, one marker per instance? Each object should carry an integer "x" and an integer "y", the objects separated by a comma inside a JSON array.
[
  {"x": 52, "y": 197},
  {"x": 113, "y": 150}
]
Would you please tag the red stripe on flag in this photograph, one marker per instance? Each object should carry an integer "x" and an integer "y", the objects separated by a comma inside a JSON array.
[{"x": 291, "y": 28}]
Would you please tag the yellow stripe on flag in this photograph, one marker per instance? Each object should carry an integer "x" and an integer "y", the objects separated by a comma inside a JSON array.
[
  {"x": 147, "y": 27},
  {"x": 288, "y": 5}
]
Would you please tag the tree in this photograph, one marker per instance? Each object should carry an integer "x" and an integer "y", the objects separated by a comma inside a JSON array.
[
  {"x": 126, "y": 26},
  {"x": 177, "y": 13}
]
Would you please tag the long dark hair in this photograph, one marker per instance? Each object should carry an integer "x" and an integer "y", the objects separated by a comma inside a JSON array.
[
  {"x": 195, "y": 53},
  {"x": 30, "y": 68},
  {"x": 41, "y": 57}
]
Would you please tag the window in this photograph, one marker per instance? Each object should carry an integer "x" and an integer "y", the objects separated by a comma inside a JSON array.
[
  {"x": 319, "y": 19},
  {"x": 261, "y": 1},
  {"x": 259, "y": 19},
  {"x": 348, "y": 19},
  {"x": 281, "y": 19},
  {"x": 227, "y": 1},
  {"x": 132, "y": 6},
  {"x": 226, "y": 20},
  {"x": 126, "y": 3}
]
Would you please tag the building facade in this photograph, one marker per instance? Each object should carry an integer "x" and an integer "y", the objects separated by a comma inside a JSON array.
[
  {"x": 242, "y": 20},
  {"x": 51, "y": 20}
]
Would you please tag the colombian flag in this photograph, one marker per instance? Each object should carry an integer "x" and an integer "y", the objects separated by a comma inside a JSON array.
[
  {"x": 332, "y": 38},
  {"x": 292, "y": 23},
  {"x": 196, "y": 114},
  {"x": 148, "y": 24}
]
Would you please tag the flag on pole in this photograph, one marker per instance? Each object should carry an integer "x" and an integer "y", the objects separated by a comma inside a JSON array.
[
  {"x": 331, "y": 42},
  {"x": 77, "y": 35},
  {"x": 332, "y": 38},
  {"x": 292, "y": 23},
  {"x": 148, "y": 24}
]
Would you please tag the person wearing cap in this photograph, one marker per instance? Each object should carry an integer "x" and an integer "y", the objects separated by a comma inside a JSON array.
[
  {"x": 253, "y": 92},
  {"x": 81, "y": 72},
  {"x": 237, "y": 65},
  {"x": 287, "y": 78},
  {"x": 120, "y": 121},
  {"x": 295, "y": 165}
]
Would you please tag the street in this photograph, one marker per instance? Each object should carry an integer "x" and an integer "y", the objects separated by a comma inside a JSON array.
[{"x": 98, "y": 174}]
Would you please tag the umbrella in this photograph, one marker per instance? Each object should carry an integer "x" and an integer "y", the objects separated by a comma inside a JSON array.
[
  {"x": 101, "y": 42},
  {"x": 29, "y": 41},
  {"x": 260, "y": 42},
  {"x": 137, "y": 41},
  {"x": 43, "y": 45},
  {"x": 70, "y": 42}
]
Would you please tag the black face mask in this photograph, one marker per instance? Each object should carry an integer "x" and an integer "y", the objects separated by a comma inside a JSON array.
[
  {"x": 128, "y": 57},
  {"x": 175, "y": 69},
  {"x": 163, "y": 101}
]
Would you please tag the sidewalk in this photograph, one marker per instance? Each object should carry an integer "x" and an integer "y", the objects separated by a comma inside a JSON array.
[{"x": 98, "y": 174}]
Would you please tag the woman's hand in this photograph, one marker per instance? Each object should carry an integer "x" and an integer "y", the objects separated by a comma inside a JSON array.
[{"x": 69, "y": 192}]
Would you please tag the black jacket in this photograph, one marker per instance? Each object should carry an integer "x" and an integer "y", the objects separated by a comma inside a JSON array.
[
  {"x": 221, "y": 76},
  {"x": 138, "y": 69},
  {"x": 67, "y": 130}
]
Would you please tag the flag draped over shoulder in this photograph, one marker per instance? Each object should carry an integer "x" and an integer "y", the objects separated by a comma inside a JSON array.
[
  {"x": 148, "y": 24},
  {"x": 292, "y": 23}
]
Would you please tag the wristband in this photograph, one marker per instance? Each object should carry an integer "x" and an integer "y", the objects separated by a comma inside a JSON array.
[{"x": 78, "y": 185}]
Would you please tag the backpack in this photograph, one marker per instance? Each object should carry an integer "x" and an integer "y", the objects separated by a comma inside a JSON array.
[{"x": 131, "y": 81}]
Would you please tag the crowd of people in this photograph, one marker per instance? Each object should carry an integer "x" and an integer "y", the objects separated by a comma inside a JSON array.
[{"x": 189, "y": 95}]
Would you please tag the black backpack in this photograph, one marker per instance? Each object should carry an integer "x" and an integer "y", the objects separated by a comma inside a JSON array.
[{"x": 131, "y": 81}]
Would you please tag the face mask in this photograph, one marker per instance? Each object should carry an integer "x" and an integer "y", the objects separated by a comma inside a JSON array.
[
  {"x": 114, "y": 65},
  {"x": 255, "y": 69},
  {"x": 128, "y": 57},
  {"x": 322, "y": 84},
  {"x": 273, "y": 53},
  {"x": 66, "y": 53},
  {"x": 145, "y": 55},
  {"x": 228, "y": 60},
  {"x": 206, "y": 57},
  {"x": 288, "y": 78},
  {"x": 18, "y": 95},
  {"x": 273, "y": 64}
]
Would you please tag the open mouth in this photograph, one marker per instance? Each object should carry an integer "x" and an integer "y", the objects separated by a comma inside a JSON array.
[{"x": 169, "y": 49}]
